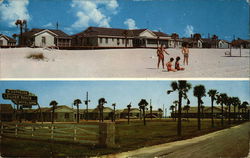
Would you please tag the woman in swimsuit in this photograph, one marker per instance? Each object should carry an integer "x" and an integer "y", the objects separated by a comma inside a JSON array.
[
  {"x": 160, "y": 54},
  {"x": 169, "y": 65},
  {"x": 185, "y": 52},
  {"x": 177, "y": 64}
]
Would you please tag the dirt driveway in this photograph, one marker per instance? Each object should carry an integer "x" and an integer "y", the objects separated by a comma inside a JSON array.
[{"x": 232, "y": 142}]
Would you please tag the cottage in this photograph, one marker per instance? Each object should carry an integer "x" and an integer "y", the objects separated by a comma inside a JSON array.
[
  {"x": 7, "y": 41},
  {"x": 6, "y": 112},
  {"x": 223, "y": 44},
  {"x": 111, "y": 37},
  {"x": 192, "y": 42},
  {"x": 46, "y": 38},
  {"x": 134, "y": 113}
]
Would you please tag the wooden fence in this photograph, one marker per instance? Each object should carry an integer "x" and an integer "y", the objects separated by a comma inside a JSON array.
[{"x": 81, "y": 133}]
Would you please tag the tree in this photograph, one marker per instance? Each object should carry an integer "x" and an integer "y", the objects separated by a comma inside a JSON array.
[
  {"x": 22, "y": 25},
  {"x": 244, "y": 106},
  {"x": 142, "y": 104},
  {"x": 229, "y": 103},
  {"x": 172, "y": 107},
  {"x": 76, "y": 103},
  {"x": 212, "y": 94},
  {"x": 101, "y": 103},
  {"x": 53, "y": 103},
  {"x": 160, "y": 111},
  {"x": 199, "y": 92},
  {"x": 222, "y": 99},
  {"x": 129, "y": 106},
  {"x": 236, "y": 102},
  {"x": 182, "y": 87},
  {"x": 114, "y": 104}
]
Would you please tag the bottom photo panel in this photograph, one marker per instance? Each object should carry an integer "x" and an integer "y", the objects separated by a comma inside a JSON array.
[{"x": 125, "y": 118}]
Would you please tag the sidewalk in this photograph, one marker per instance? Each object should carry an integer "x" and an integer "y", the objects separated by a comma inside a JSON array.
[{"x": 232, "y": 142}]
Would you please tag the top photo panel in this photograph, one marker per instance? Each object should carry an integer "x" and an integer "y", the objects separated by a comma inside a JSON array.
[{"x": 124, "y": 39}]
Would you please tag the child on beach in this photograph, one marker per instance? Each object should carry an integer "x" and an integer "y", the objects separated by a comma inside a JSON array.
[
  {"x": 169, "y": 65},
  {"x": 177, "y": 64},
  {"x": 185, "y": 52},
  {"x": 160, "y": 53}
]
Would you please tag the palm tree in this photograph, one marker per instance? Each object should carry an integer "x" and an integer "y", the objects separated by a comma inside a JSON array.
[
  {"x": 101, "y": 102},
  {"x": 172, "y": 107},
  {"x": 222, "y": 99},
  {"x": 129, "y": 106},
  {"x": 236, "y": 102},
  {"x": 175, "y": 108},
  {"x": 53, "y": 103},
  {"x": 160, "y": 112},
  {"x": 76, "y": 103},
  {"x": 114, "y": 104},
  {"x": 199, "y": 92},
  {"x": 229, "y": 103},
  {"x": 142, "y": 104},
  {"x": 22, "y": 24},
  {"x": 182, "y": 87},
  {"x": 212, "y": 93},
  {"x": 244, "y": 106}
]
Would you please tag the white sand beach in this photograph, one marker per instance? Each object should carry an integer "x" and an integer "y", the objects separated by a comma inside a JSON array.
[{"x": 120, "y": 63}]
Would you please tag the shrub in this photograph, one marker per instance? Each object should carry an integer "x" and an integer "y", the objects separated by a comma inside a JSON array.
[{"x": 38, "y": 56}]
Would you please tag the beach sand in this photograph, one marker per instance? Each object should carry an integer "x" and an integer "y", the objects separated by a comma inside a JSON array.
[{"x": 120, "y": 63}]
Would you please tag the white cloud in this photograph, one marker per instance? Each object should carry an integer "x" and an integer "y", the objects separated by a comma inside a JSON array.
[
  {"x": 130, "y": 23},
  {"x": 89, "y": 11},
  {"x": 48, "y": 25},
  {"x": 13, "y": 10},
  {"x": 188, "y": 30},
  {"x": 248, "y": 1}
]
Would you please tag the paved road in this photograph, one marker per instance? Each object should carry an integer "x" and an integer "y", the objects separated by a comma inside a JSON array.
[{"x": 232, "y": 142}]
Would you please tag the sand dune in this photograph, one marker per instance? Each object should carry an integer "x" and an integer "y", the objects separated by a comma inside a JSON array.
[{"x": 120, "y": 63}]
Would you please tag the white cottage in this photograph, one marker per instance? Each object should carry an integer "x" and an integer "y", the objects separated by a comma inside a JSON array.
[
  {"x": 46, "y": 38},
  {"x": 7, "y": 41},
  {"x": 223, "y": 44}
]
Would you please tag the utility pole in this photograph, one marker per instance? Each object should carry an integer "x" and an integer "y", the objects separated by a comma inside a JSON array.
[
  {"x": 150, "y": 110},
  {"x": 163, "y": 110},
  {"x": 166, "y": 110},
  {"x": 87, "y": 103},
  {"x": 57, "y": 25}
]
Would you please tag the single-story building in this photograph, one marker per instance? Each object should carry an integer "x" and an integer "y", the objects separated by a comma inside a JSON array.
[
  {"x": 112, "y": 37},
  {"x": 6, "y": 112},
  {"x": 7, "y": 41},
  {"x": 46, "y": 38}
]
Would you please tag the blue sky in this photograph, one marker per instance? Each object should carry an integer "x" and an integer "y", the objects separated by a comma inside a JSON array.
[
  {"x": 119, "y": 92},
  {"x": 226, "y": 18}
]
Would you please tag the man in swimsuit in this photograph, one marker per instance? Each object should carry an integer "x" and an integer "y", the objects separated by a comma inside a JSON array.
[
  {"x": 185, "y": 52},
  {"x": 160, "y": 54}
]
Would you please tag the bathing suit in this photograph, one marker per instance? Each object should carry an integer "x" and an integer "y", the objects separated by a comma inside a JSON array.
[
  {"x": 169, "y": 65},
  {"x": 177, "y": 66},
  {"x": 185, "y": 54}
]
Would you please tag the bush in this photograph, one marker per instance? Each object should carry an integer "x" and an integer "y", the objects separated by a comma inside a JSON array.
[{"x": 38, "y": 56}]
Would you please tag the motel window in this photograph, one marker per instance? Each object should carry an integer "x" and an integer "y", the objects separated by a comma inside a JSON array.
[
  {"x": 107, "y": 40},
  {"x": 152, "y": 41},
  {"x": 1, "y": 42},
  {"x": 100, "y": 40},
  {"x": 122, "y": 41},
  {"x": 66, "y": 115},
  {"x": 113, "y": 39}
]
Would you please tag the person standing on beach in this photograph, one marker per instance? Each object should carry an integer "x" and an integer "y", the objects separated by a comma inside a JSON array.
[
  {"x": 185, "y": 52},
  {"x": 160, "y": 54}
]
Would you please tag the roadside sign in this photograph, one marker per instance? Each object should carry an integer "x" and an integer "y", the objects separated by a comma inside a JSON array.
[{"x": 20, "y": 97}]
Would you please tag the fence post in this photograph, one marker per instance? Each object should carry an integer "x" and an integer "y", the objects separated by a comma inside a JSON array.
[
  {"x": 52, "y": 132},
  {"x": 16, "y": 131},
  {"x": 74, "y": 132},
  {"x": 32, "y": 134},
  {"x": 107, "y": 134}
]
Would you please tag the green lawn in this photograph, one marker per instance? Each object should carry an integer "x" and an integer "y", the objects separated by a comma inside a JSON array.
[{"x": 128, "y": 137}]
